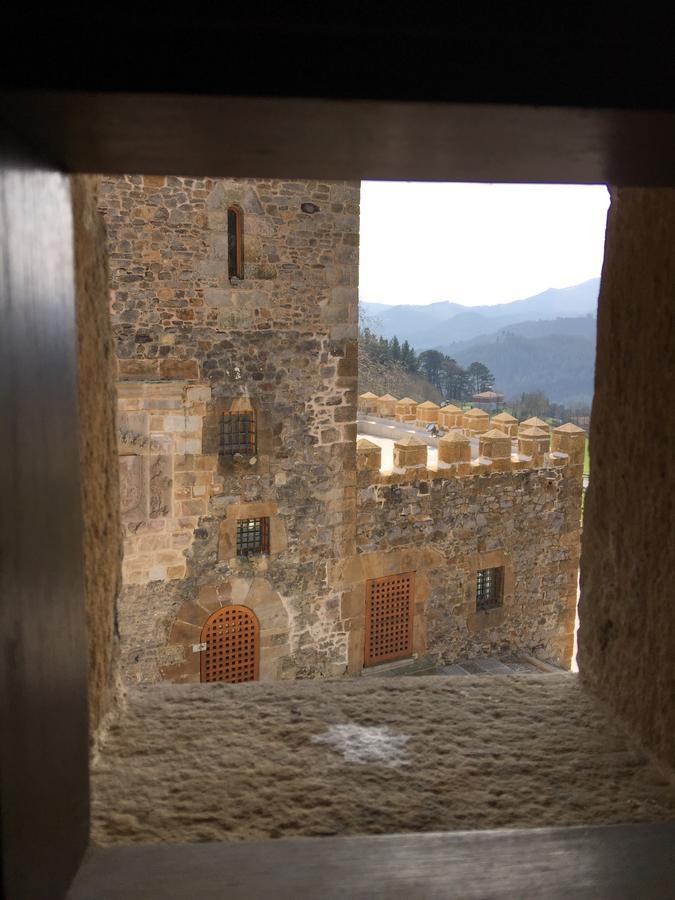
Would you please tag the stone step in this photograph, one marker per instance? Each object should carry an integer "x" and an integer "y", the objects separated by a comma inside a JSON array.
[{"x": 421, "y": 666}]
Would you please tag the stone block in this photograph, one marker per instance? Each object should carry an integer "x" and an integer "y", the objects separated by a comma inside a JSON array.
[
  {"x": 160, "y": 483},
  {"x": 198, "y": 392},
  {"x": 185, "y": 633},
  {"x": 352, "y": 605},
  {"x": 192, "y": 508},
  {"x": 172, "y": 368},
  {"x": 183, "y": 423},
  {"x": 339, "y": 306},
  {"x": 133, "y": 488},
  {"x": 137, "y": 369},
  {"x": 217, "y": 297}
]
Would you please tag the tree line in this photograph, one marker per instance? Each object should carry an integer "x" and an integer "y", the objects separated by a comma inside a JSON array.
[
  {"x": 536, "y": 403},
  {"x": 445, "y": 373}
]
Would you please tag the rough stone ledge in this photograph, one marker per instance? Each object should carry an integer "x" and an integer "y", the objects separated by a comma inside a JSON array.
[{"x": 233, "y": 762}]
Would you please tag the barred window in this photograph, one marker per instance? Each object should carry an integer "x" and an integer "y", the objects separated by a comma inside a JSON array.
[
  {"x": 235, "y": 254},
  {"x": 253, "y": 537},
  {"x": 489, "y": 588},
  {"x": 238, "y": 433}
]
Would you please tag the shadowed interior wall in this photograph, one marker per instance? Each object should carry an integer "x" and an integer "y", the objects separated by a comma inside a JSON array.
[
  {"x": 627, "y": 608},
  {"x": 102, "y": 548},
  {"x": 44, "y": 779}
]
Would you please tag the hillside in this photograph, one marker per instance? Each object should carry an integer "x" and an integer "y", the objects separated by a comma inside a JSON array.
[
  {"x": 543, "y": 343},
  {"x": 392, "y": 379},
  {"x": 439, "y": 324},
  {"x": 577, "y": 326},
  {"x": 560, "y": 365}
]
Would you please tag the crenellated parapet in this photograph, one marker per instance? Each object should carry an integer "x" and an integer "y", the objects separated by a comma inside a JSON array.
[
  {"x": 426, "y": 413},
  {"x": 368, "y": 456},
  {"x": 410, "y": 452},
  {"x": 406, "y": 410},
  {"x": 450, "y": 416},
  {"x": 534, "y": 442},
  {"x": 460, "y": 455},
  {"x": 386, "y": 406},
  {"x": 454, "y": 447},
  {"x": 534, "y": 422},
  {"x": 367, "y": 403},
  {"x": 496, "y": 446},
  {"x": 506, "y": 423},
  {"x": 571, "y": 440},
  {"x": 476, "y": 421}
]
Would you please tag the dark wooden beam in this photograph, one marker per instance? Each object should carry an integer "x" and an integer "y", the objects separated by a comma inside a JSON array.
[
  {"x": 623, "y": 861},
  {"x": 335, "y": 139},
  {"x": 44, "y": 784}
]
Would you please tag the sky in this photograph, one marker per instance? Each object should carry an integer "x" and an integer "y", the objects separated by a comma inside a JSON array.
[{"x": 474, "y": 244}]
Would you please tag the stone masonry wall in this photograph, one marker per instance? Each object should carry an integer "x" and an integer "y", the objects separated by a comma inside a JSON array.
[
  {"x": 627, "y": 608},
  {"x": 102, "y": 550},
  {"x": 446, "y": 529},
  {"x": 194, "y": 342},
  {"x": 190, "y": 341}
]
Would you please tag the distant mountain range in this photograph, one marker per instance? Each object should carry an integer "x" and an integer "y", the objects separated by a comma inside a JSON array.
[{"x": 541, "y": 343}]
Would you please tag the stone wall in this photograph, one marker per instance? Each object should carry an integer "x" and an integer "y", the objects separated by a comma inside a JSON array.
[
  {"x": 627, "y": 608},
  {"x": 194, "y": 343},
  {"x": 190, "y": 341},
  {"x": 102, "y": 549},
  {"x": 445, "y": 529}
]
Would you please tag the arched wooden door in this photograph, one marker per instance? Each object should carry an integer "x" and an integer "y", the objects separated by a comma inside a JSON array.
[{"x": 232, "y": 638}]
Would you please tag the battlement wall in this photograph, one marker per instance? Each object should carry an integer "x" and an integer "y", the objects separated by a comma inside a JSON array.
[{"x": 514, "y": 513}]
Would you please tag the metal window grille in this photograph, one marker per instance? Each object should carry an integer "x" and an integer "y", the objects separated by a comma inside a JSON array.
[
  {"x": 489, "y": 584},
  {"x": 232, "y": 643},
  {"x": 253, "y": 536},
  {"x": 389, "y": 618},
  {"x": 238, "y": 433}
]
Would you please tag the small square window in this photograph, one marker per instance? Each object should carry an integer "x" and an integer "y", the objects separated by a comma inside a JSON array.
[
  {"x": 238, "y": 433},
  {"x": 489, "y": 589},
  {"x": 253, "y": 537}
]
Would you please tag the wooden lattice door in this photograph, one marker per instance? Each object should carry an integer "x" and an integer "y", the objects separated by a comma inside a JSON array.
[
  {"x": 389, "y": 618},
  {"x": 232, "y": 638}
]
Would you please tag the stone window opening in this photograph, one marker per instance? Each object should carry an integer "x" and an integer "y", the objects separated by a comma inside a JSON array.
[
  {"x": 238, "y": 433},
  {"x": 489, "y": 589},
  {"x": 235, "y": 252},
  {"x": 253, "y": 537}
]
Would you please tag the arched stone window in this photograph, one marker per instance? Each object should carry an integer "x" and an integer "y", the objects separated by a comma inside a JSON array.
[
  {"x": 235, "y": 242},
  {"x": 232, "y": 652}
]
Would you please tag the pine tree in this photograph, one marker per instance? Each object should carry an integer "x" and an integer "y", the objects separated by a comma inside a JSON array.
[
  {"x": 395, "y": 349},
  {"x": 430, "y": 363},
  {"x": 481, "y": 377}
]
